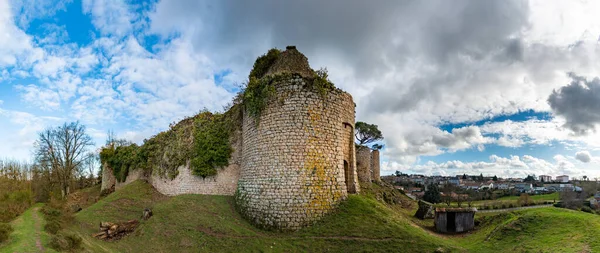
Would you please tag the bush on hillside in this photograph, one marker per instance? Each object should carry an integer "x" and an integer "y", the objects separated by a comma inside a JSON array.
[
  {"x": 65, "y": 241},
  {"x": 5, "y": 230},
  {"x": 586, "y": 209},
  {"x": 52, "y": 226},
  {"x": 51, "y": 212}
]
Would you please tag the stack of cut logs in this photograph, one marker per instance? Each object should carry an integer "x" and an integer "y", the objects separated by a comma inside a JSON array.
[{"x": 114, "y": 231}]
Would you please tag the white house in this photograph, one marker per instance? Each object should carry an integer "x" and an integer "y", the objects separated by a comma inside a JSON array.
[
  {"x": 503, "y": 186},
  {"x": 488, "y": 185},
  {"x": 562, "y": 179}
]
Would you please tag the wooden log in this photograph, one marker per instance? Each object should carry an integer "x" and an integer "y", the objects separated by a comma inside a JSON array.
[
  {"x": 106, "y": 224},
  {"x": 99, "y": 234},
  {"x": 110, "y": 230}
]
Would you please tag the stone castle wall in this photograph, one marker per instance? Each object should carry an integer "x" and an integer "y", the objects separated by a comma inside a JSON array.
[
  {"x": 132, "y": 176},
  {"x": 363, "y": 164},
  {"x": 224, "y": 183},
  {"x": 375, "y": 173},
  {"x": 293, "y": 160},
  {"x": 108, "y": 178}
]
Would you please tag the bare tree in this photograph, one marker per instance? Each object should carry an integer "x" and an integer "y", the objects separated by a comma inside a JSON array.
[
  {"x": 570, "y": 199},
  {"x": 62, "y": 151}
]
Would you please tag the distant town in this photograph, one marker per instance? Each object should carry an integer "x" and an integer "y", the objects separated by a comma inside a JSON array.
[{"x": 479, "y": 187}]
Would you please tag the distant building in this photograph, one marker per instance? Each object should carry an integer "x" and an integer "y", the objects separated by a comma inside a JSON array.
[
  {"x": 524, "y": 187},
  {"x": 470, "y": 185},
  {"x": 503, "y": 185},
  {"x": 488, "y": 185},
  {"x": 562, "y": 179},
  {"x": 559, "y": 187},
  {"x": 454, "y": 181},
  {"x": 545, "y": 178},
  {"x": 539, "y": 190}
]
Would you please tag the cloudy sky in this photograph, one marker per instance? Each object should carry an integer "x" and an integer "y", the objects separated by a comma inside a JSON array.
[{"x": 505, "y": 88}]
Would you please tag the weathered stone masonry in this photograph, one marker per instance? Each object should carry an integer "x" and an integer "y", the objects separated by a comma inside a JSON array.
[
  {"x": 292, "y": 164},
  {"x": 293, "y": 159},
  {"x": 375, "y": 176}
]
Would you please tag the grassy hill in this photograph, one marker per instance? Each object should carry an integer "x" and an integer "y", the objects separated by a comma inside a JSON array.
[{"x": 192, "y": 223}]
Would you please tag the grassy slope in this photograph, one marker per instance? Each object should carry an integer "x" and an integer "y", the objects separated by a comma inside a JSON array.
[
  {"x": 512, "y": 199},
  {"x": 549, "y": 197},
  {"x": 192, "y": 223},
  {"x": 537, "y": 230},
  {"x": 23, "y": 239}
]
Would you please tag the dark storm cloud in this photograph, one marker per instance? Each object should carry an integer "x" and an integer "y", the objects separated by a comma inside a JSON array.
[
  {"x": 372, "y": 37},
  {"x": 579, "y": 103}
]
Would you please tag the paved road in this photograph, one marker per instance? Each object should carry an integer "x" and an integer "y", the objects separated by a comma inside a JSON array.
[{"x": 513, "y": 209}]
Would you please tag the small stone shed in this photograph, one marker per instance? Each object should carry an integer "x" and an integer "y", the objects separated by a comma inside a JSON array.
[{"x": 454, "y": 220}]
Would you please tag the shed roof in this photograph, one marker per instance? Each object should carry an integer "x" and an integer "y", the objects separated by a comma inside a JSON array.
[{"x": 456, "y": 210}]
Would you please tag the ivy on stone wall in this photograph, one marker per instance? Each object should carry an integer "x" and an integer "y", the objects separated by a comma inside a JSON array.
[
  {"x": 203, "y": 140},
  {"x": 122, "y": 159},
  {"x": 212, "y": 147}
]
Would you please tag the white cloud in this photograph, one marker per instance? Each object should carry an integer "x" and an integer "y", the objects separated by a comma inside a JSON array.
[
  {"x": 45, "y": 99},
  {"x": 15, "y": 46},
  {"x": 111, "y": 17},
  {"x": 23, "y": 127},
  {"x": 583, "y": 156},
  {"x": 513, "y": 166}
]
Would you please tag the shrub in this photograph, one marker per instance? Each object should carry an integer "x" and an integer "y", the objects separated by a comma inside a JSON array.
[
  {"x": 52, "y": 226},
  {"x": 51, "y": 212},
  {"x": 212, "y": 147},
  {"x": 5, "y": 230},
  {"x": 511, "y": 205},
  {"x": 503, "y": 205},
  {"x": 586, "y": 209},
  {"x": 65, "y": 241}
]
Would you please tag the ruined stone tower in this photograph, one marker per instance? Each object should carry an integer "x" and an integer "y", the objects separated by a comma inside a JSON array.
[
  {"x": 298, "y": 158},
  {"x": 375, "y": 173},
  {"x": 293, "y": 158},
  {"x": 363, "y": 164}
]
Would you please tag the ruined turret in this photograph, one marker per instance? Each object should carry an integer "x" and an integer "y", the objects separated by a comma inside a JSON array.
[{"x": 298, "y": 158}]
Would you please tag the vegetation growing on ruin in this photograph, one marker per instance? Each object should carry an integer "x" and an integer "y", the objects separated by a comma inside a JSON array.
[
  {"x": 212, "y": 147},
  {"x": 203, "y": 139},
  {"x": 260, "y": 87}
]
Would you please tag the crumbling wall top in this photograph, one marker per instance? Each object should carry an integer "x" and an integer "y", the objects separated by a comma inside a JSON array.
[{"x": 291, "y": 61}]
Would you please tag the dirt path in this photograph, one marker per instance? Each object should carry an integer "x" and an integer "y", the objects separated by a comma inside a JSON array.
[{"x": 38, "y": 228}]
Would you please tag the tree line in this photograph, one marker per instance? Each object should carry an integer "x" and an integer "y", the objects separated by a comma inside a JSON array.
[{"x": 63, "y": 161}]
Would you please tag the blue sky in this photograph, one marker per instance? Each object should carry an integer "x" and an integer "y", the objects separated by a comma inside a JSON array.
[{"x": 506, "y": 88}]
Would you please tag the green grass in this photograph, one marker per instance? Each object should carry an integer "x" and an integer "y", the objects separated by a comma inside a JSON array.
[
  {"x": 540, "y": 197},
  {"x": 204, "y": 223},
  {"x": 23, "y": 239},
  {"x": 509, "y": 200},
  {"x": 192, "y": 223},
  {"x": 536, "y": 230}
]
